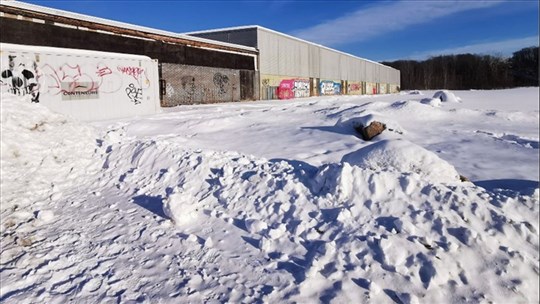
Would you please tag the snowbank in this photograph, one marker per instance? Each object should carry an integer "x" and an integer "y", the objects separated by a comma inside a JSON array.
[
  {"x": 446, "y": 96},
  {"x": 167, "y": 218},
  {"x": 43, "y": 153},
  {"x": 434, "y": 102},
  {"x": 403, "y": 156}
]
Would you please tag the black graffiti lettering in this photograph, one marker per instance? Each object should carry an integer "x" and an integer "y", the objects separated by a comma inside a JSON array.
[
  {"x": 134, "y": 94},
  {"x": 20, "y": 83},
  {"x": 221, "y": 81},
  {"x": 7, "y": 74}
]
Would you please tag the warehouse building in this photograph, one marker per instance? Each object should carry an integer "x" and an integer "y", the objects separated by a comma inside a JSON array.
[
  {"x": 233, "y": 64},
  {"x": 191, "y": 70},
  {"x": 291, "y": 67}
]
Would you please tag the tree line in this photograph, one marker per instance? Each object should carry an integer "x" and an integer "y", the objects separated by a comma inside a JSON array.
[{"x": 470, "y": 71}]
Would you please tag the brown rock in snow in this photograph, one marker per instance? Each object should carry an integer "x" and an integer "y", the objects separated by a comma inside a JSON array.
[{"x": 375, "y": 128}]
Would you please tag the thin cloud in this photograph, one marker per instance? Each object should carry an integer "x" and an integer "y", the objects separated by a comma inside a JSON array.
[
  {"x": 378, "y": 20},
  {"x": 503, "y": 47}
]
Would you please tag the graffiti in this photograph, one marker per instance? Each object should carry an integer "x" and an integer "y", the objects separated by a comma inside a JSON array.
[
  {"x": 354, "y": 88},
  {"x": 134, "y": 72},
  {"x": 285, "y": 89},
  {"x": 293, "y": 88},
  {"x": 188, "y": 87},
  {"x": 330, "y": 88},
  {"x": 265, "y": 82},
  {"x": 221, "y": 81},
  {"x": 134, "y": 93},
  {"x": 20, "y": 78},
  {"x": 102, "y": 71},
  {"x": 382, "y": 88},
  {"x": 301, "y": 88},
  {"x": 169, "y": 90},
  {"x": 69, "y": 81},
  {"x": 370, "y": 88},
  {"x": 85, "y": 82}
]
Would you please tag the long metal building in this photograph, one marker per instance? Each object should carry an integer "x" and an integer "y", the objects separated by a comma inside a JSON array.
[
  {"x": 192, "y": 70},
  {"x": 291, "y": 67},
  {"x": 232, "y": 64}
]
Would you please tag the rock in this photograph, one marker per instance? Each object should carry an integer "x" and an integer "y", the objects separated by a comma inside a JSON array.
[{"x": 375, "y": 128}]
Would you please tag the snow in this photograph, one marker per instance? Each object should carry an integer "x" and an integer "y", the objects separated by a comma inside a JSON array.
[
  {"x": 403, "y": 156},
  {"x": 275, "y": 201},
  {"x": 446, "y": 96}
]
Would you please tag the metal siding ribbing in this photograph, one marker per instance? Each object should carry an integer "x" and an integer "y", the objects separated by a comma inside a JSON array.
[
  {"x": 269, "y": 50},
  {"x": 359, "y": 73},
  {"x": 304, "y": 60},
  {"x": 329, "y": 65},
  {"x": 344, "y": 67},
  {"x": 397, "y": 77},
  {"x": 383, "y": 74},
  {"x": 370, "y": 72},
  {"x": 285, "y": 56},
  {"x": 314, "y": 68},
  {"x": 289, "y": 57}
]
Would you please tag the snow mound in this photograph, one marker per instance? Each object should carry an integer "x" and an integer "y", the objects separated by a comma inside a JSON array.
[
  {"x": 367, "y": 119},
  {"x": 414, "y": 110},
  {"x": 181, "y": 207},
  {"x": 446, "y": 96},
  {"x": 42, "y": 152},
  {"x": 403, "y": 156},
  {"x": 434, "y": 102}
]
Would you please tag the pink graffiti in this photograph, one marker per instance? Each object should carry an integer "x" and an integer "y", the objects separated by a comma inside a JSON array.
[
  {"x": 103, "y": 71},
  {"x": 68, "y": 79},
  {"x": 135, "y": 72},
  {"x": 293, "y": 88},
  {"x": 285, "y": 90},
  {"x": 355, "y": 87}
]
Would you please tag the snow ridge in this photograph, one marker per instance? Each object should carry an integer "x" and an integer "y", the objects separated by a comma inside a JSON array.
[{"x": 157, "y": 221}]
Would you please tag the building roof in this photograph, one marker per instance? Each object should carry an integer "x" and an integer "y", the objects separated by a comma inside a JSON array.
[
  {"x": 258, "y": 27},
  {"x": 19, "y": 7}
]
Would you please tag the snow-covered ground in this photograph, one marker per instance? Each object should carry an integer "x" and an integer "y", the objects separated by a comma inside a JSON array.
[{"x": 275, "y": 201}]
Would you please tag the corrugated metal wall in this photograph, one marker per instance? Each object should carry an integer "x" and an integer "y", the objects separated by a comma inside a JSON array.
[
  {"x": 314, "y": 69},
  {"x": 281, "y": 55}
]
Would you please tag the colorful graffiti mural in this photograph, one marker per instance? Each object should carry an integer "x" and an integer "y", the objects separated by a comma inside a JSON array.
[
  {"x": 328, "y": 87},
  {"x": 293, "y": 88},
  {"x": 354, "y": 88}
]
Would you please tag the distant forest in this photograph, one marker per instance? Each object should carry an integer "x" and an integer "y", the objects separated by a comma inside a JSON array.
[{"x": 468, "y": 71}]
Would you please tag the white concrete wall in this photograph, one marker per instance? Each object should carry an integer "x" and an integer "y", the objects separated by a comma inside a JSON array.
[{"x": 86, "y": 85}]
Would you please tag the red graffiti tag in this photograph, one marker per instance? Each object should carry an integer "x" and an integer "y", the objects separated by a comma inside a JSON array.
[
  {"x": 103, "y": 71},
  {"x": 135, "y": 72}
]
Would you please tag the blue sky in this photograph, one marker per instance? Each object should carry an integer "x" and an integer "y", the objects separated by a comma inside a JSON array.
[{"x": 377, "y": 30}]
